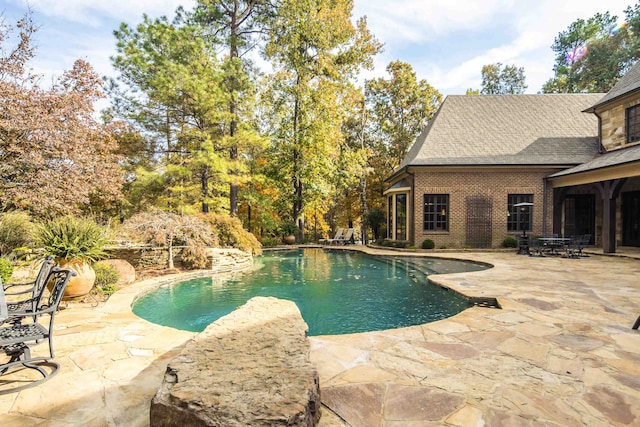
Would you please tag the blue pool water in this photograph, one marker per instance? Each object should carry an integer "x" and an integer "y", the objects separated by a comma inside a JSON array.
[{"x": 337, "y": 292}]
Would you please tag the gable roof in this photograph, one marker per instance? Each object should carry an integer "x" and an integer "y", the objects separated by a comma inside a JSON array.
[
  {"x": 548, "y": 129},
  {"x": 627, "y": 83}
]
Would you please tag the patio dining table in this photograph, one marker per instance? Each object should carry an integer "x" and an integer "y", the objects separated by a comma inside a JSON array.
[{"x": 554, "y": 244}]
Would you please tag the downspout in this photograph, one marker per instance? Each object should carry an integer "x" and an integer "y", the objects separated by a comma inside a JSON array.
[
  {"x": 412, "y": 241},
  {"x": 545, "y": 198}
]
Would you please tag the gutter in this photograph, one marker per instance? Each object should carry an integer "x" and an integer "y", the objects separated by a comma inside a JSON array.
[
  {"x": 412, "y": 211},
  {"x": 395, "y": 174}
]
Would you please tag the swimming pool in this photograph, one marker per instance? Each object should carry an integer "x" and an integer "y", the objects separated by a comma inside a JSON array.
[{"x": 337, "y": 292}]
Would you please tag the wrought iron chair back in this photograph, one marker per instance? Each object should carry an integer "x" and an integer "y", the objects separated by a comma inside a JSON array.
[
  {"x": 31, "y": 304},
  {"x": 35, "y": 288},
  {"x": 17, "y": 339}
]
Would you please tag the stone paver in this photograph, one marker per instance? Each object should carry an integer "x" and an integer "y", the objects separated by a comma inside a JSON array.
[{"x": 560, "y": 352}]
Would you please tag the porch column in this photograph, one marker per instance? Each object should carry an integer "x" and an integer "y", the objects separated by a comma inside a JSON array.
[
  {"x": 559, "y": 196},
  {"x": 609, "y": 191}
]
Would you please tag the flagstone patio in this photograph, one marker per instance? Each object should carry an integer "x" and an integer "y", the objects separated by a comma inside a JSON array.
[{"x": 560, "y": 351}]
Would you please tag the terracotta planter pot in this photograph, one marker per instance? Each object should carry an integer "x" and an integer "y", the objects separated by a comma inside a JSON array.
[
  {"x": 83, "y": 282},
  {"x": 289, "y": 240}
]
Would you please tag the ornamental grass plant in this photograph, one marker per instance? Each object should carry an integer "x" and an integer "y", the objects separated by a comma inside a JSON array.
[{"x": 73, "y": 239}]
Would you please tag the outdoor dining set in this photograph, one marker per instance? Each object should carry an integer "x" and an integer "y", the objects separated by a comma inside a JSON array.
[{"x": 554, "y": 245}]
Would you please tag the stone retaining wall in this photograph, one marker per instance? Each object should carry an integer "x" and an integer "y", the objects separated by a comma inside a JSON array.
[
  {"x": 141, "y": 257},
  {"x": 249, "y": 368}
]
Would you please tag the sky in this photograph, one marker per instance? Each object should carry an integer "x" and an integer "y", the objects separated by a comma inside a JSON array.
[{"x": 446, "y": 41}]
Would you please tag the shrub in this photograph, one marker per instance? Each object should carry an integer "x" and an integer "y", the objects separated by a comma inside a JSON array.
[
  {"x": 394, "y": 243},
  {"x": 510, "y": 242},
  {"x": 6, "y": 270},
  {"x": 383, "y": 242},
  {"x": 106, "y": 278},
  {"x": 194, "y": 257},
  {"x": 106, "y": 274},
  {"x": 231, "y": 234},
  {"x": 16, "y": 231},
  {"x": 161, "y": 228},
  {"x": 288, "y": 228},
  {"x": 270, "y": 241},
  {"x": 375, "y": 218},
  {"x": 71, "y": 238},
  {"x": 428, "y": 244},
  {"x": 107, "y": 290}
]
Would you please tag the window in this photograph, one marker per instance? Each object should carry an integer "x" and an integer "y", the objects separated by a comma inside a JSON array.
[
  {"x": 397, "y": 216},
  {"x": 633, "y": 124},
  {"x": 436, "y": 212},
  {"x": 520, "y": 217},
  {"x": 401, "y": 217},
  {"x": 390, "y": 218}
]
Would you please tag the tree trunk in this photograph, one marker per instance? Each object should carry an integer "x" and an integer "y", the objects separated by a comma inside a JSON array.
[
  {"x": 363, "y": 179},
  {"x": 205, "y": 189},
  {"x": 233, "y": 105},
  {"x": 298, "y": 186},
  {"x": 170, "y": 252}
]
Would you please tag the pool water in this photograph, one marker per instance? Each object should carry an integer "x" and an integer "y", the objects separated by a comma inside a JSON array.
[{"x": 337, "y": 292}]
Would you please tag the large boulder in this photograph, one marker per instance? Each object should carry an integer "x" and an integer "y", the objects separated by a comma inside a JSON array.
[
  {"x": 249, "y": 368},
  {"x": 126, "y": 272}
]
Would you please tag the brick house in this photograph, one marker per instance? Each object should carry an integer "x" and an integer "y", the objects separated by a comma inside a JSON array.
[{"x": 574, "y": 157}]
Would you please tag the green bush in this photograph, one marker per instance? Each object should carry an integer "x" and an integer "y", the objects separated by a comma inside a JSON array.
[
  {"x": 394, "y": 243},
  {"x": 6, "y": 270},
  {"x": 270, "y": 242},
  {"x": 106, "y": 278},
  {"x": 288, "y": 228},
  {"x": 375, "y": 219},
  {"x": 231, "y": 234},
  {"x": 194, "y": 257},
  {"x": 16, "y": 231},
  {"x": 510, "y": 242},
  {"x": 106, "y": 274},
  {"x": 107, "y": 290},
  {"x": 428, "y": 244}
]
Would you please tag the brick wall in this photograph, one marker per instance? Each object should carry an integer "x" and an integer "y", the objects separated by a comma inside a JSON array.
[{"x": 495, "y": 185}]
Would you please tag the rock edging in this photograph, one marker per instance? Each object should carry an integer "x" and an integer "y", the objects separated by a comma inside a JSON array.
[{"x": 249, "y": 368}]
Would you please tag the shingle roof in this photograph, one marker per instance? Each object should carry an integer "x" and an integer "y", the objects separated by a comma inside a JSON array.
[
  {"x": 508, "y": 130},
  {"x": 612, "y": 158},
  {"x": 629, "y": 82}
]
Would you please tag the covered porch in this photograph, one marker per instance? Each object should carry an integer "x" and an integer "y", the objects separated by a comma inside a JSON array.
[{"x": 601, "y": 198}]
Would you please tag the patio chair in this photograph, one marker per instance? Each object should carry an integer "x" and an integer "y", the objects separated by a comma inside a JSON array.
[
  {"x": 535, "y": 246},
  {"x": 33, "y": 293},
  {"x": 346, "y": 239},
  {"x": 33, "y": 288},
  {"x": 336, "y": 237},
  {"x": 583, "y": 241},
  {"x": 17, "y": 339}
]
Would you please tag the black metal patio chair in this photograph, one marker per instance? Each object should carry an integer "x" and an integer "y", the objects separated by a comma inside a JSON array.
[
  {"x": 30, "y": 291},
  {"x": 584, "y": 240},
  {"x": 17, "y": 339}
]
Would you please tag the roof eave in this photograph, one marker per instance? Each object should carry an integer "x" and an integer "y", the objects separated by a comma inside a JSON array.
[
  {"x": 609, "y": 101},
  {"x": 396, "y": 174}
]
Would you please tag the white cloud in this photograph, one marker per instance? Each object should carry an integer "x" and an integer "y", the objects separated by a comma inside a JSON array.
[
  {"x": 437, "y": 37},
  {"x": 419, "y": 20},
  {"x": 95, "y": 12},
  {"x": 414, "y": 24}
]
